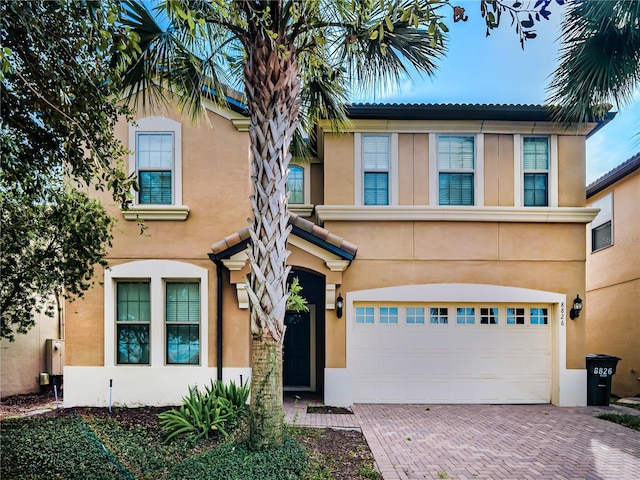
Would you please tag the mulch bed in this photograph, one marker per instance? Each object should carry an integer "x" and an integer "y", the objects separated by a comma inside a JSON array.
[
  {"x": 344, "y": 453},
  {"x": 327, "y": 409}
]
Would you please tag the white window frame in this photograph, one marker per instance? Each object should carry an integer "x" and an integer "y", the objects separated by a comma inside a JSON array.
[
  {"x": 478, "y": 173},
  {"x": 157, "y": 273},
  {"x": 605, "y": 204},
  {"x": 305, "y": 208},
  {"x": 359, "y": 168},
  {"x": 167, "y": 323},
  {"x": 176, "y": 210},
  {"x": 518, "y": 170}
]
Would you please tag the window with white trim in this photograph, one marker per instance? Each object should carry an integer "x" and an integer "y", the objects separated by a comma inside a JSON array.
[
  {"x": 465, "y": 315},
  {"x": 538, "y": 316},
  {"x": 182, "y": 317},
  {"x": 156, "y": 160},
  {"x": 602, "y": 225},
  {"x": 515, "y": 316},
  {"x": 365, "y": 315},
  {"x": 456, "y": 169},
  {"x": 295, "y": 184},
  {"x": 488, "y": 316},
  {"x": 438, "y": 315},
  {"x": 535, "y": 163},
  {"x": 376, "y": 158},
  {"x": 133, "y": 321},
  {"x": 155, "y": 153},
  {"x": 155, "y": 313},
  {"x": 414, "y": 315},
  {"x": 389, "y": 315}
]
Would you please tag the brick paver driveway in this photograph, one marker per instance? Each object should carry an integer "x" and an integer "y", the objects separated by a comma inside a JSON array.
[{"x": 518, "y": 442}]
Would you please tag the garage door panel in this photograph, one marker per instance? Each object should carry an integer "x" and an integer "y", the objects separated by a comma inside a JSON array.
[{"x": 451, "y": 363}]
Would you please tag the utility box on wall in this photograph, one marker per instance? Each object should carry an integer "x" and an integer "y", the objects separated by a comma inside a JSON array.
[{"x": 54, "y": 351}]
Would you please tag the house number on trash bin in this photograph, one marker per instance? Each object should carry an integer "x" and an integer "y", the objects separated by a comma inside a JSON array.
[{"x": 602, "y": 371}]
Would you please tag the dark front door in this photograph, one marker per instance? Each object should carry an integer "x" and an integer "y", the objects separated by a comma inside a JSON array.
[{"x": 297, "y": 354}]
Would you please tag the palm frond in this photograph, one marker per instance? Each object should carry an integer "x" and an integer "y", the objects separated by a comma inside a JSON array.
[
  {"x": 186, "y": 64},
  {"x": 599, "y": 58}
]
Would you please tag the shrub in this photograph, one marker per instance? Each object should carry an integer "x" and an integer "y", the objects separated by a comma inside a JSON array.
[
  {"x": 236, "y": 395},
  {"x": 201, "y": 414}
]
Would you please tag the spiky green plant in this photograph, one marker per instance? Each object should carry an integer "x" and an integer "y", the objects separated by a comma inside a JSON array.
[
  {"x": 201, "y": 414},
  {"x": 236, "y": 395}
]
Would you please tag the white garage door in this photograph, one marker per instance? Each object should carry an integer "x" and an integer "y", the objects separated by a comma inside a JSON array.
[{"x": 451, "y": 353}]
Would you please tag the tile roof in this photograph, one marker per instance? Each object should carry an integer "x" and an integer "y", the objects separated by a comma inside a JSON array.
[
  {"x": 323, "y": 236},
  {"x": 618, "y": 173}
]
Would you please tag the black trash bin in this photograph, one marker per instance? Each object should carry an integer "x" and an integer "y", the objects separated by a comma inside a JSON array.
[{"x": 600, "y": 370}]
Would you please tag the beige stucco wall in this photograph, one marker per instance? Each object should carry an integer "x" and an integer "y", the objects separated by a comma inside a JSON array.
[
  {"x": 22, "y": 361},
  {"x": 612, "y": 303},
  {"x": 535, "y": 256},
  {"x": 215, "y": 159},
  {"x": 338, "y": 172},
  {"x": 413, "y": 169},
  {"x": 498, "y": 170},
  {"x": 571, "y": 171}
]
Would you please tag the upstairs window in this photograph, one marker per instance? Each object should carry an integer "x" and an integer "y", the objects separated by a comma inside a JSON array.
[
  {"x": 155, "y": 158},
  {"x": 535, "y": 154},
  {"x": 155, "y": 166},
  {"x": 602, "y": 225},
  {"x": 375, "y": 163},
  {"x": 295, "y": 185},
  {"x": 456, "y": 170}
]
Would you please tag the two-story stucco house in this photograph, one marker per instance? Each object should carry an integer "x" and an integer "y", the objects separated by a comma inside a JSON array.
[
  {"x": 440, "y": 248},
  {"x": 613, "y": 273}
]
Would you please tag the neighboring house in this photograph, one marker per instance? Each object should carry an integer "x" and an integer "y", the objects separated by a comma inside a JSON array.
[
  {"x": 452, "y": 235},
  {"x": 613, "y": 273},
  {"x": 24, "y": 361}
]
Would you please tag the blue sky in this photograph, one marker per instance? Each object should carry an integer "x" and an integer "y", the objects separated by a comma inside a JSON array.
[{"x": 496, "y": 70}]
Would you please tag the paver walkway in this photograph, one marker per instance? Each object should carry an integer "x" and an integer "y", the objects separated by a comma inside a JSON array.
[{"x": 492, "y": 442}]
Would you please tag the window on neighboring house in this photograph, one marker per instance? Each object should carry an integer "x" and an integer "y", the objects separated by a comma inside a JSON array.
[
  {"x": 375, "y": 163},
  {"x": 183, "y": 322},
  {"x": 535, "y": 152},
  {"x": 602, "y": 225},
  {"x": 456, "y": 170},
  {"x": 133, "y": 316},
  {"x": 295, "y": 184}
]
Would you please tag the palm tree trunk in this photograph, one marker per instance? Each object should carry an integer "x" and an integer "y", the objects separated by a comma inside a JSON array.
[
  {"x": 266, "y": 422},
  {"x": 272, "y": 89}
]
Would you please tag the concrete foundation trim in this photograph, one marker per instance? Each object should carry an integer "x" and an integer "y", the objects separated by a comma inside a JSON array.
[
  {"x": 338, "y": 387},
  {"x": 132, "y": 386}
]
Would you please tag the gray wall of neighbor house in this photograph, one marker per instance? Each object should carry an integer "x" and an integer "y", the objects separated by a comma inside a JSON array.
[{"x": 22, "y": 361}]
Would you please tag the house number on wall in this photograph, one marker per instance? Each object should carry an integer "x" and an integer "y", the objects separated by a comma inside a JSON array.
[{"x": 562, "y": 314}]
